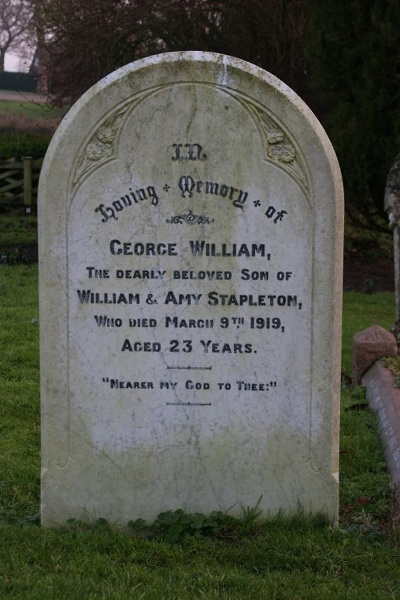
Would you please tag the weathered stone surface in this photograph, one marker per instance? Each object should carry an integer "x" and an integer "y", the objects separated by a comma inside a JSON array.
[
  {"x": 369, "y": 346},
  {"x": 392, "y": 207},
  {"x": 190, "y": 221},
  {"x": 392, "y": 193},
  {"x": 384, "y": 399}
]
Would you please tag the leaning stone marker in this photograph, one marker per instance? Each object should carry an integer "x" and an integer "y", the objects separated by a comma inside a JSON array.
[{"x": 190, "y": 289}]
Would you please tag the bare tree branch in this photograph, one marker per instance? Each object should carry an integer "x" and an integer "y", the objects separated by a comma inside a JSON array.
[{"x": 16, "y": 30}]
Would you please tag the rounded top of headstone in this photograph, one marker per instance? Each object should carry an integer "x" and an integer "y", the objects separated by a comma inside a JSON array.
[
  {"x": 292, "y": 140},
  {"x": 213, "y": 67}
]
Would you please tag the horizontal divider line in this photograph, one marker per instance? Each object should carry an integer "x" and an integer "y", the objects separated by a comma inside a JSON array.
[
  {"x": 190, "y": 368},
  {"x": 188, "y": 403}
]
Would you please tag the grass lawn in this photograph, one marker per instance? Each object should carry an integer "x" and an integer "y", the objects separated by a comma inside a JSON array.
[
  {"x": 279, "y": 559},
  {"x": 361, "y": 311},
  {"x": 26, "y": 128},
  {"x": 16, "y": 231},
  {"x": 29, "y": 109}
]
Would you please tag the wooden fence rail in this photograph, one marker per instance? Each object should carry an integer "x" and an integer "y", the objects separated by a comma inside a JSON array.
[{"x": 19, "y": 182}]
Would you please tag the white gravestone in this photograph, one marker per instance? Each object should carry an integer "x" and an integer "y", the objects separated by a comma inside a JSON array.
[{"x": 190, "y": 288}]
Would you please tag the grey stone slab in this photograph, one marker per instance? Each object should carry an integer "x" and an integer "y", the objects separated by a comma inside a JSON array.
[
  {"x": 191, "y": 217},
  {"x": 369, "y": 346},
  {"x": 384, "y": 399}
]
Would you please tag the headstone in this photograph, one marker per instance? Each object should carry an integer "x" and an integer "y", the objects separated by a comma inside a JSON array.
[
  {"x": 190, "y": 287},
  {"x": 392, "y": 207}
]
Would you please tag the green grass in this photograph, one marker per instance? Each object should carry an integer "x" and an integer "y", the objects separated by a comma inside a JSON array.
[
  {"x": 29, "y": 109},
  {"x": 20, "y": 120},
  {"x": 361, "y": 311},
  {"x": 14, "y": 144},
  {"x": 282, "y": 559},
  {"x": 17, "y": 230},
  {"x": 287, "y": 561},
  {"x": 26, "y": 128},
  {"x": 19, "y": 406}
]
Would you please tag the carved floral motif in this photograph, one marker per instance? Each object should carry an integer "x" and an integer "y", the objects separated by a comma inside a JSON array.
[
  {"x": 101, "y": 145},
  {"x": 280, "y": 148}
]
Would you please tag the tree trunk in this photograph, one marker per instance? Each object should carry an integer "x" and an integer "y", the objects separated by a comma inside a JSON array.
[
  {"x": 41, "y": 52},
  {"x": 2, "y": 59}
]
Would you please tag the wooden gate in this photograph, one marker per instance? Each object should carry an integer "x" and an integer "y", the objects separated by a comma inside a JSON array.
[{"x": 19, "y": 182}]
